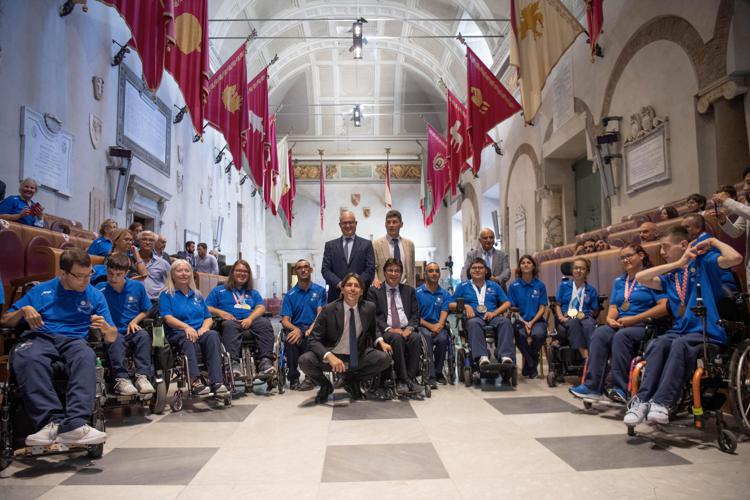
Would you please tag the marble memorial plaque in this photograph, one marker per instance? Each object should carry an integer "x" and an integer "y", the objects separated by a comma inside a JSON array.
[
  {"x": 45, "y": 153},
  {"x": 647, "y": 159}
]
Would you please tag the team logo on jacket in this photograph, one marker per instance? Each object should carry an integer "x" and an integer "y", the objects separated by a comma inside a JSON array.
[{"x": 85, "y": 307}]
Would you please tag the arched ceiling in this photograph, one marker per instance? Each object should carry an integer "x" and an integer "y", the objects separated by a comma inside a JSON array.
[{"x": 316, "y": 82}]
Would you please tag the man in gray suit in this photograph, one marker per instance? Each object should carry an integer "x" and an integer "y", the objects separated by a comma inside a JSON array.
[
  {"x": 393, "y": 245},
  {"x": 496, "y": 259}
]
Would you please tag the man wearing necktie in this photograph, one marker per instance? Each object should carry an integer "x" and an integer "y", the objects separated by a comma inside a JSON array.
[
  {"x": 495, "y": 259},
  {"x": 347, "y": 254},
  {"x": 342, "y": 341},
  {"x": 397, "y": 313},
  {"x": 392, "y": 245}
]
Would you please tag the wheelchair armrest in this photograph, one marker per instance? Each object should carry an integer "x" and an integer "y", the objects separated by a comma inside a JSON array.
[
  {"x": 218, "y": 321},
  {"x": 95, "y": 338},
  {"x": 268, "y": 314}
]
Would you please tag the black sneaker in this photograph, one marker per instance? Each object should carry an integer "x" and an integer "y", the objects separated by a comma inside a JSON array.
[
  {"x": 441, "y": 379},
  {"x": 432, "y": 383},
  {"x": 266, "y": 367},
  {"x": 294, "y": 385},
  {"x": 219, "y": 389},
  {"x": 306, "y": 385},
  {"x": 198, "y": 388}
]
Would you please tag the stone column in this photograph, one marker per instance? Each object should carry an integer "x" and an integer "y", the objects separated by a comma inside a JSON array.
[{"x": 551, "y": 215}]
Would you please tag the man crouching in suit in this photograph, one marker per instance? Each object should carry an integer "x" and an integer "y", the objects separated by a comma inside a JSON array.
[
  {"x": 342, "y": 323},
  {"x": 397, "y": 313}
]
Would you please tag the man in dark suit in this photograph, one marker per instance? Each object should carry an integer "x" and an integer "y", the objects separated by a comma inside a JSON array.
[
  {"x": 496, "y": 259},
  {"x": 340, "y": 325},
  {"x": 397, "y": 313},
  {"x": 347, "y": 254}
]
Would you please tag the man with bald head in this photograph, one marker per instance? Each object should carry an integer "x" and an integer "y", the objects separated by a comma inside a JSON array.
[
  {"x": 648, "y": 232},
  {"x": 347, "y": 254},
  {"x": 496, "y": 259}
]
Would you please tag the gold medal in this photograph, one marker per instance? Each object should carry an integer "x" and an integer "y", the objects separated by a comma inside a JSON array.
[
  {"x": 572, "y": 312},
  {"x": 681, "y": 311},
  {"x": 580, "y": 315},
  {"x": 481, "y": 309},
  {"x": 625, "y": 306}
]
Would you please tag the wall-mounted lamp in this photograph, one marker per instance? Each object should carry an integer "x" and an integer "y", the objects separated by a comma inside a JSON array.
[
  {"x": 119, "y": 170},
  {"x": 120, "y": 56},
  {"x": 357, "y": 115},
  {"x": 219, "y": 156},
  {"x": 180, "y": 114}
]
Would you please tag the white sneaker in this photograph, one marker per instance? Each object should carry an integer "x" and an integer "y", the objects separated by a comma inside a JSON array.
[
  {"x": 506, "y": 360},
  {"x": 636, "y": 412},
  {"x": 658, "y": 414},
  {"x": 83, "y": 435},
  {"x": 124, "y": 387},
  {"x": 143, "y": 385},
  {"x": 44, "y": 437},
  {"x": 484, "y": 360}
]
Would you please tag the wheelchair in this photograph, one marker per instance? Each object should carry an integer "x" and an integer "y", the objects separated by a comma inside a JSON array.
[
  {"x": 722, "y": 372},
  {"x": 15, "y": 424},
  {"x": 469, "y": 372},
  {"x": 179, "y": 373},
  {"x": 160, "y": 363},
  {"x": 249, "y": 362}
]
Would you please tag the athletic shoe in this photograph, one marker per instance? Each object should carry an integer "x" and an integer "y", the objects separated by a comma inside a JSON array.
[
  {"x": 124, "y": 387},
  {"x": 658, "y": 414},
  {"x": 266, "y": 366},
  {"x": 636, "y": 412},
  {"x": 198, "y": 388},
  {"x": 306, "y": 385},
  {"x": 484, "y": 360},
  {"x": 584, "y": 392},
  {"x": 143, "y": 385},
  {"x": 83, "y": 435},
  {"x": 432, "y": 383},
  {"x": 218, "y": 388},
  {"x": 506, "y": 360},
  {"x": 45, "y": 436},
  {"x": 441, "y": 379},
  {"x": 617, "y": 395},
  {"x": 236, "y": 370},
  {"x": 294, "y": 385}
]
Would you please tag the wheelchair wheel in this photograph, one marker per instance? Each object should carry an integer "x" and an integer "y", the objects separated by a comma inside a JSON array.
[
  {"x": 467, "y": 376},
  {"x": 159, "y": 399},
  {"x": 551, "y": 379},
  {"x": 727, "y": 441},
  {"x": 739, "y": 385},
  {"x": 97, "y": 451},
  {"x": 514, "y": 377},
  {"x": 281, "y": 378},
  {"x": 176, "y": 403}
]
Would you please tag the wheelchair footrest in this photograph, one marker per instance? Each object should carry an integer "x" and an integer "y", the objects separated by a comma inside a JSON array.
[{"x": 493, "y": 369}]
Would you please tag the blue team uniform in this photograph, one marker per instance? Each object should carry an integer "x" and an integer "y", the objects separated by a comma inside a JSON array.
[
  {"x": 301, "y": 306},
  {"x": 101, "y": 246},
  {"x": 67, "y": 320},
  {"x": 431, "y": 305},
  {"x": 527, "y": 297},
  {"x": 13, "y": 205},
  {"x": 124, "y": 306},
  {"x": 578, "y": 330}
]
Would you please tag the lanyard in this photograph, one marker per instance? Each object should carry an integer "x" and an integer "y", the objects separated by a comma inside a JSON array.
[
  {"x": 629, "y": 289},
  {"x": 239, "y": 299},
  {"x": 480, "y": 293},
  {"x": 578, "y": 294},
  {"x": 682, "y": 290}
]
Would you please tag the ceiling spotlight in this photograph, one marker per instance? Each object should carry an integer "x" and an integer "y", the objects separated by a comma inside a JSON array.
[
  {"x": 357, "y": 38},
  {"x": 357, "y": 116}
]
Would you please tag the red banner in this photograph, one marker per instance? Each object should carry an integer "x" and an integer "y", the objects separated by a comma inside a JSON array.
[
  {"x": 322, "y": 191},
  {"x": 490, "y": 103},
  {"x": 153, "y": 33},
  {"x": 595, "y": 18},
  {"x": 257, "y": 110},
  {"x": 225, "y": 109},
  {"x": 438, "y": 170},
  {"x": 270, "y": 165},
  {"x": 188, "y": 61},
  {"x": 460, "y": 144}
]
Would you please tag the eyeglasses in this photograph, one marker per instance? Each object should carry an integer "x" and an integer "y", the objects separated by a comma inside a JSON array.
[
  {"x": 81, "y": 277},
  {"x": 348, "y": 223},
  {"x": 477, "y": 268},
  {"x": 626, "y": 258},
  {"x": 240, "y": 271},
  {"x": 582, "y": 269}
]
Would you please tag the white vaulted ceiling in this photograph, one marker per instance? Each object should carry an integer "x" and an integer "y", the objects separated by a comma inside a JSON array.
[{"x": 316, "y": 81}]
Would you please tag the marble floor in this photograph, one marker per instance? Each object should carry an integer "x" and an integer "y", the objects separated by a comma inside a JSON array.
[{"x": 483, "y": 442}]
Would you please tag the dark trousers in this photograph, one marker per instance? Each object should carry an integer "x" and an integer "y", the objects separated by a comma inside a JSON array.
[
  {"x": 669, "y": 360},
  {"x": 622, "y": 344},
  {"x": 578, "y": 331},
  {"x": 405, "y": 353},
  {"x": 293, "y": 353},
  {"x": 371, "y": 362},
  {"x": 438, "y": 346},
  {"x": 503, "y": 337},
  {"x": 211, "y": 348},
  {"x": 530, "y": 353},
  {"x": 261, "y": 329},
  {"x": 140, "y": 342},
  {"x": 32, "y": 365}
]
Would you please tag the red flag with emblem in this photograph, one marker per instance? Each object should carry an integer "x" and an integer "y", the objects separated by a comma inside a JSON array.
[
  {"x": 225, "y": 109},
  {"x": 188, "y": 60},
  {"x": 595, "y": 18},
  {"x": 438, "y": 170},
  {"x": 153, "y": 33},
  {"x": 257, "y": 110},
  {"x": 270, "y": 165},
  {"x": 489, "y": 104}
]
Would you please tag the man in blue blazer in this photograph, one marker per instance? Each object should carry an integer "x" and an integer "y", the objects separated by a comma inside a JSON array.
[{"x": 347, "y": 254}]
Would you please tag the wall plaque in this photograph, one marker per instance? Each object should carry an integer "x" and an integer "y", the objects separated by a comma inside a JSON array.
[
  {"x": 45, "y": 151},
  {"x": 647, "y": 158}
]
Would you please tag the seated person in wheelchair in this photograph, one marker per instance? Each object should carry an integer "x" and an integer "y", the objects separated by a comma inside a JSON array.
[
  {"x": 671, "y": 357},
  {"x": 577, "y": 307},
  {"x": 529, "y": 295},
  {"x": 344, "y": 332},
  {"x": 242, "y": 307},
  {"x": 630, "y": 305},
  {"x": 484, "y": 304},
  {"x": 187, "y": 322},
  {"x": 433, "y": 310},
  {"x": 59, "y": 313},
  {"x": 299, "y": 310},
  {"x": 397, "y": 315},
  {"x": 128, "y": 304}
]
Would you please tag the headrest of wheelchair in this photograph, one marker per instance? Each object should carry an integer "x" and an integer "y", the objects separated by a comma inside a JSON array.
[{"x": 566, "y": 268}]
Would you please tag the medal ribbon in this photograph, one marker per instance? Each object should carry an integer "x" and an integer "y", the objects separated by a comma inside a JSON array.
[
  {"x": 629, "y": 289},
  {"x": 480, "y": 294},
  {"x": 682, "y": 290},
  {"x": 239, "y": 299},
  {"x": 578, "y": 295}
]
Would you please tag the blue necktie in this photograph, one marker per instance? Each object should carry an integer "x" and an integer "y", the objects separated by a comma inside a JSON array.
[
  {"x": 353, "y": 352},
  {"x": 347, "y": 248},
  {"x": 396, "y": 249}
]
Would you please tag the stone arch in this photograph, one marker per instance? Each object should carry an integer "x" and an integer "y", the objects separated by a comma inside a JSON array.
[
  {"x": 709, "y": 60},
  {"x": 527, "y": 150}
]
